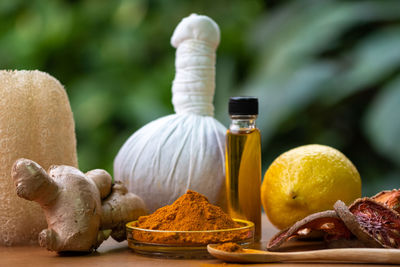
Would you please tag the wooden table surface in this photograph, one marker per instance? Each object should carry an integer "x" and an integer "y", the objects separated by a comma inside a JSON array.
[{"x": 114, "y": 254}]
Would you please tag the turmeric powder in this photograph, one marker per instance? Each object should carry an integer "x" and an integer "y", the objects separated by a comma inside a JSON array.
[
  {"x": 190, "y": 212},
  {"x": 230, "y": 247}
]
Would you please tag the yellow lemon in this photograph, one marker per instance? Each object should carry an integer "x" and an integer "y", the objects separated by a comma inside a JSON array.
[{"x": 305, "y": 180}]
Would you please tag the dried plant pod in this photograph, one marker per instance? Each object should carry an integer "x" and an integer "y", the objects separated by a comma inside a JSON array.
[
  {"x": 382, "y": 223},
  {"x": 352, "y": 223},
  {"x": 370, "y": 221},
  {"x": 390, "y": 198},
  {"x": 327, "y": 222}
]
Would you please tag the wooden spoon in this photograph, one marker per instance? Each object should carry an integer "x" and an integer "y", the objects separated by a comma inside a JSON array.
[{"x": 348, "y": 255}]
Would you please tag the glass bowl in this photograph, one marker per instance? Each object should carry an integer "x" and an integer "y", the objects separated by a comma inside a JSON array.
[{"x": 185, "y": 244}]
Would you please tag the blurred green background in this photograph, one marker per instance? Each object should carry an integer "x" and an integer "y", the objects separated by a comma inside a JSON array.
[{"x": 325, "y": 71}]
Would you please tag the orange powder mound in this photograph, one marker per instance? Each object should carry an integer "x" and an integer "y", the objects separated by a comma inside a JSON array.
[
  {"x": 230, "y": 247},
  {"x": 190, "y": 212}
]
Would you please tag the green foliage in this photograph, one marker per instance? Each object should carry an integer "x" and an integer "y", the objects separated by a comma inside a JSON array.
[
  {"x": 319, "y": 66},
  {"x": 325, "y": 71}
]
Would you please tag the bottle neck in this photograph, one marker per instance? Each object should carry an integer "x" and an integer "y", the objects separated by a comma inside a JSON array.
[{"x": 242, "y": 123}]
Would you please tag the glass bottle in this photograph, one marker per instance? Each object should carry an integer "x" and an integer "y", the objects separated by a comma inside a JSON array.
[{"x": 243, "y": 162}]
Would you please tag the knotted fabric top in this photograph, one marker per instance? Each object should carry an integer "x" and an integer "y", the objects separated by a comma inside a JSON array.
[{"x": 196, "y": 39}]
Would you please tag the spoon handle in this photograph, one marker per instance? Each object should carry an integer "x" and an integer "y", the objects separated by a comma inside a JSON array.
[
  {"x": 348, "y": 255},
  {"x": 354, "y": 255}
]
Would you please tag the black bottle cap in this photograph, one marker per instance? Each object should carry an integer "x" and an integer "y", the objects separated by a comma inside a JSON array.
[{"x": 243, "y": 105}]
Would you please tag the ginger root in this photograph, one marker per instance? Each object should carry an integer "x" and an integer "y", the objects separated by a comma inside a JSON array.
[
  {"x": 78, "y": 207},
  {"x": 118, "y": 209}
]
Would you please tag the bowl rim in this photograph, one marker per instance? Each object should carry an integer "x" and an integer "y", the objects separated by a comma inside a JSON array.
[{"x": 247, "y": 225}]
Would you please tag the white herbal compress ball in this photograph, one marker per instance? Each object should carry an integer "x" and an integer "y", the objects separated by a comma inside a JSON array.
[{"x": 184, "y": 150}]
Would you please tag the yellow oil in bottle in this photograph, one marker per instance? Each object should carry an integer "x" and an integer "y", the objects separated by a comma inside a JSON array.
[{"x": 243, "y": 176}]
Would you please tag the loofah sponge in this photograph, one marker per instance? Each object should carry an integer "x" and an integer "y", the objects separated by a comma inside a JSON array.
[{"x": 36, "y": 122}]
